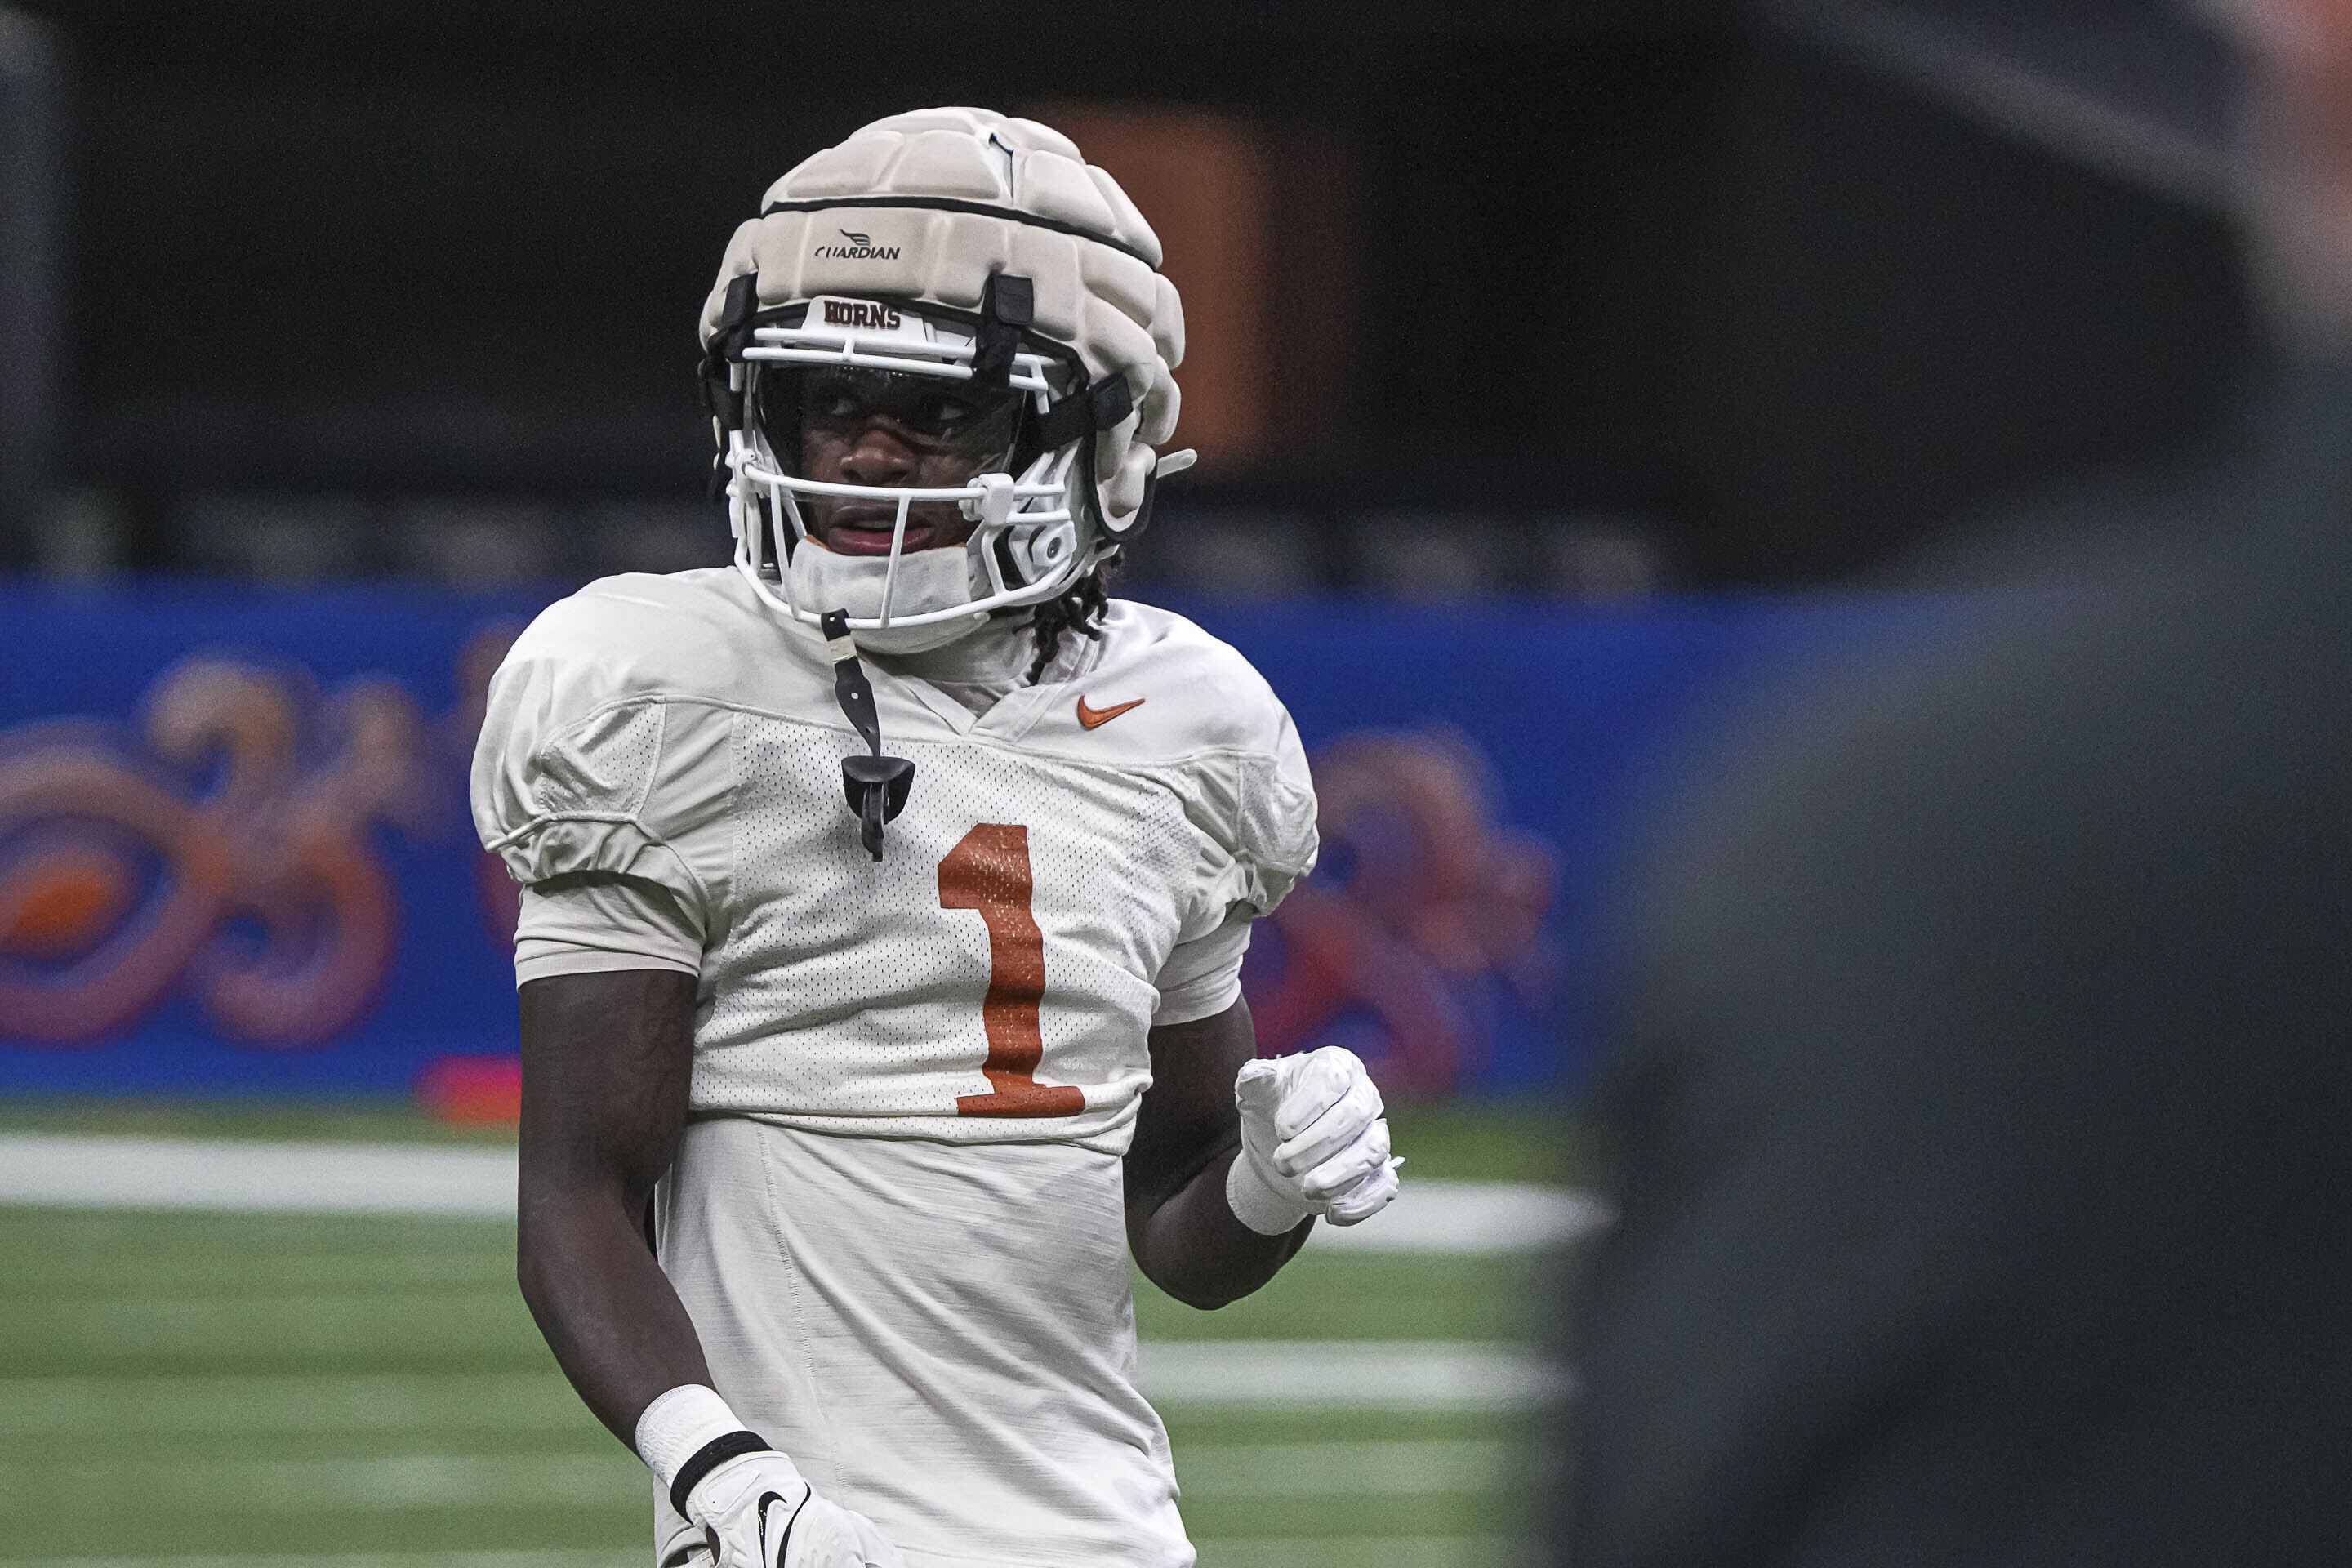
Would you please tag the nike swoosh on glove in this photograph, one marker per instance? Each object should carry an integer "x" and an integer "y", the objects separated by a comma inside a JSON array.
[
  {"x": 759, "y": 1514},
  {"x": 1313, "y": 1142}
]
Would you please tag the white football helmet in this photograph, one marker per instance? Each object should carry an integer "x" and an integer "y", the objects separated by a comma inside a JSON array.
[{"x": 949, "y": 251}]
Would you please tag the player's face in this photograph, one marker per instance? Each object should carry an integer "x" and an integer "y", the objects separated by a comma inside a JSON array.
[{"x": 880, "y": 427}]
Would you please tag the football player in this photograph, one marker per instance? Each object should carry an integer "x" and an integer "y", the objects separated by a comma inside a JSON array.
[{"x": 885, "y": 900}]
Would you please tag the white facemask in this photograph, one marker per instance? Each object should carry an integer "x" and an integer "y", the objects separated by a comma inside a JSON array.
[{"x": 928, "y": 580}]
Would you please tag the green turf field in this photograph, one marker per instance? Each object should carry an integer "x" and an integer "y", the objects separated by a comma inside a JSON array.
[{"x": 223, "y": 1390}]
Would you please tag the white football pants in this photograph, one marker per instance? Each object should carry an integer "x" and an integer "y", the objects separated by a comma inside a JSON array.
[{"x": 941, "y": 1335}]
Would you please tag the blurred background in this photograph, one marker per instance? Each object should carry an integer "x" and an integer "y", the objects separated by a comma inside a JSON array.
[{"x": 1561, "y": 374}]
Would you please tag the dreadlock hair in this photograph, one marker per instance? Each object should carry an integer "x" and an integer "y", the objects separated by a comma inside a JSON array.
[{"x": 1078, "y": 608}]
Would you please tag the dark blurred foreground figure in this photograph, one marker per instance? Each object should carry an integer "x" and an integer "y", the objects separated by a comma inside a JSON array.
[{"x": 1986, "y": 1175}]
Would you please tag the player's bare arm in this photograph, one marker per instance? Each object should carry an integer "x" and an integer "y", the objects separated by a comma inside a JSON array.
[
  {"x": 1183, "y": 1234},
  {"x": 1235, "y": 1158},
  {"x": 608, "y": 1067},
  {"x": 606, "y": 1061}
]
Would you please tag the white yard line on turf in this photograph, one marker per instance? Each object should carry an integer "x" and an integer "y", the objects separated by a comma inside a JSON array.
[
  {"x": 1250, "y": 1374},
  {"x": 275, "y": 1405},
  {"x": 582, "y": 1558},
  {"x": 1335, "y": 1373},
  {"x": 72, "y": 1172},
  {"x": 1358, "y": 1551},
  {"x": 438, "y": 1483},
  {"x": 1308, "y": 1551},
  {"x": 1489, "y": 1218},
  {"x": 79, "y": 1172}
]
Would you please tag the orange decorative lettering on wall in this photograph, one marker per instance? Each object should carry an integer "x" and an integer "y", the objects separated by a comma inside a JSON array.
[
  {"x": 224, "y": 850},
  {"x": 1436, "y": 900}
]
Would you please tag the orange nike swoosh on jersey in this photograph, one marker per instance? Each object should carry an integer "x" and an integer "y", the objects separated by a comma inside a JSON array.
[{"x": 1095, "y": 718}]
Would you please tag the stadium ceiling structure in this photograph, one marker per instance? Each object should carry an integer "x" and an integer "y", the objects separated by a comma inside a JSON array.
[{"x": 2137, "y": 92}]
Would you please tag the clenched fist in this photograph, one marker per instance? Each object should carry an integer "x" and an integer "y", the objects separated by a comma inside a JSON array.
[{"x": 1313, "y": 1142}]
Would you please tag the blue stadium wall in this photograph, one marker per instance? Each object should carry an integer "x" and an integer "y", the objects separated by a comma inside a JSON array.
[{"x": 235, "y": 857}]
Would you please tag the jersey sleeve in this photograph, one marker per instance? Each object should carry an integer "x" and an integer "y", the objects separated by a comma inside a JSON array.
[
  {"x": 1256, "y": 805},
  {"x": 593, "y": 922},
  {"x": 1202, "y": 977},
  {"x": 584, "y": 778}
]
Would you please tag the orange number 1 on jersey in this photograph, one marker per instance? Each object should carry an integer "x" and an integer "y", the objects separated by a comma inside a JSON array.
[{"x": 989, "y": 871}]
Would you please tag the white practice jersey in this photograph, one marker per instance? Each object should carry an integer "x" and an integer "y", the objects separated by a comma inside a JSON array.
[
  {"x": 896, "y": 1220},
  {"x": 992, "y": 978}
]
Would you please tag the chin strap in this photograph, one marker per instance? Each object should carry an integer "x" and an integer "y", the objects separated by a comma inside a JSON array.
[
  {"x": 722, "y": 372},
  {"x": 876, "y": 785},
  {"x": 1008, "y": 304},
  {"x": 1097, "y": 408}
]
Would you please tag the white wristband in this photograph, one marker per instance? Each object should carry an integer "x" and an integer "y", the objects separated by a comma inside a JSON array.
[
  {"x": 1255, "y": 1202},
  {"x": 679, "y": 1424}
]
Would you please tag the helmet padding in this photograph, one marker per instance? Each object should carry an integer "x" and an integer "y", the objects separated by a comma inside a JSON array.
[{"x": 925, "y": 207}]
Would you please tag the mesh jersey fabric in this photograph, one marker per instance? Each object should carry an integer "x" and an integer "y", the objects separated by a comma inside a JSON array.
[
  {"x": 670, "y": 730},
  {"x": 593, "y": 925},
  {"x": 596, "y": 921}
]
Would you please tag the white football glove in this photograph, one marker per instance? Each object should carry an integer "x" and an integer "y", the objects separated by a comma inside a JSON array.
[
  {"x": 1313, "y": 1142},
  {"x": 759, "y": 1514},
  {"x": 750, "y": 1503}
]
